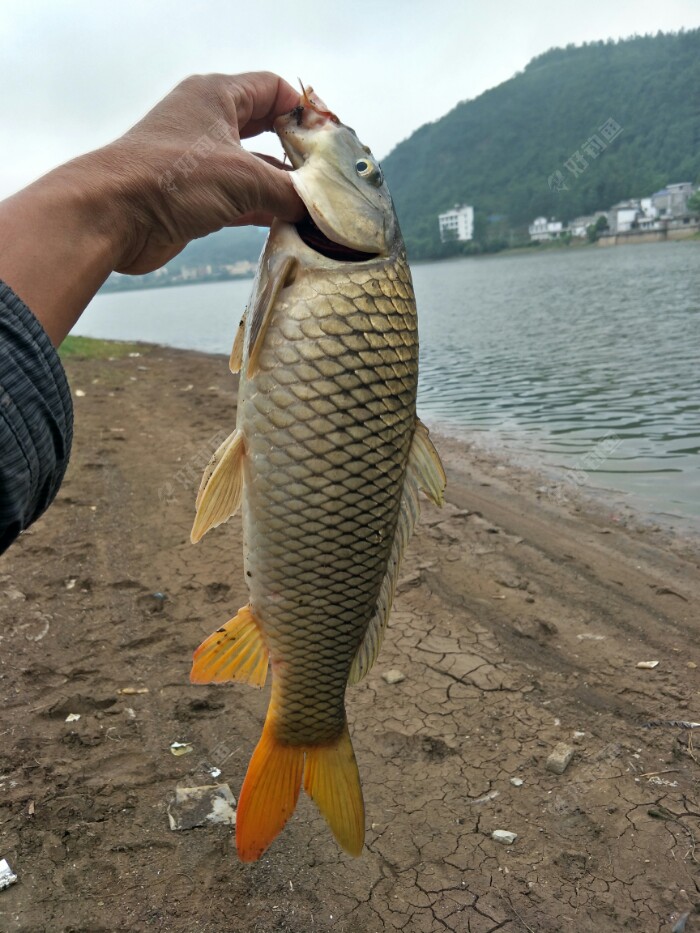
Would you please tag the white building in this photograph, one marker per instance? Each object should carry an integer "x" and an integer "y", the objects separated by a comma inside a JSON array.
[
  {"x": 542, "y": 229},
  {"x": 623, "y": 216},
  {"x": 672, "y": 201},
  {"x": 457, "y": 224}
]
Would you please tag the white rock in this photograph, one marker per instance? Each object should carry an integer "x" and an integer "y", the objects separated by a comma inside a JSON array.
[
  {"x": 578, "y": 737},
  {"x": 648, "y": 665},
  {"x": 72, "y": 717},
  {"x": 492, "y": 794},
  {"x": 393, "y": 676},
  {"x": 7, "y": 876},
  {"x": 559, "y": 760},
  {"x": 517, "y": 782},
  {"x": 504, "y": 837}
]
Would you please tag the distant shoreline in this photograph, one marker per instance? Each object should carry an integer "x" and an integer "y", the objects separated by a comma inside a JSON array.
[
  {"x": 169, "y": 283},
  {"x": 526, "y": 249}
]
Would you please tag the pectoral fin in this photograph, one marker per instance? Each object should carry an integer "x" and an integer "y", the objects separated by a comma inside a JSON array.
[
  {"x": 279, "y": 272},
  {"x": 236, "y": 361},
  {"x": 221, "y": 488}
]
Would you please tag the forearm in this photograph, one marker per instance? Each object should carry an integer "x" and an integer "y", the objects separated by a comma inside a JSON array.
[{"x": 59, "y": 240}]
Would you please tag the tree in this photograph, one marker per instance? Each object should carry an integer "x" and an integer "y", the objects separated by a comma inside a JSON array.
[{"x": 593, "y": 231}]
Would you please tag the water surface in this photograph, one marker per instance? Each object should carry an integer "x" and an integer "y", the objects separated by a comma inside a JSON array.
[{"x": 583, "y": 359}]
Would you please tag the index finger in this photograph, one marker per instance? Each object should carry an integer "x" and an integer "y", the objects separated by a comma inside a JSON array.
[{"x": 261, "y": 97}]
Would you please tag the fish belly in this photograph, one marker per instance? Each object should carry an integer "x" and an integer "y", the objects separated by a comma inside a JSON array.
[{"x": 328, "y": 420}]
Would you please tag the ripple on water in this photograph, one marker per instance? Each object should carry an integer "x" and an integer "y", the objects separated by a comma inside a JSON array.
[{"x": 586, "y": 359}]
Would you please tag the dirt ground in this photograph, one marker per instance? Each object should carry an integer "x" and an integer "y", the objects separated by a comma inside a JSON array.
[{"x": 519, "y": 622}]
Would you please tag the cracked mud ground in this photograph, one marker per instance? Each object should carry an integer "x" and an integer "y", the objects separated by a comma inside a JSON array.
[{"x": 519, "y": 620}]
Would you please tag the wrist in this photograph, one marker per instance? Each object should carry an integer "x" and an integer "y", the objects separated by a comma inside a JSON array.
[
  {"x": 62, "y": 236},
  {"x": 97, "y": 194}
]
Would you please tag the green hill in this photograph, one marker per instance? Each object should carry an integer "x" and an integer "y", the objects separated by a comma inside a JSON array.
[
  {"x": 228, "y": 245},
  {"x": 500, "y": 151}
]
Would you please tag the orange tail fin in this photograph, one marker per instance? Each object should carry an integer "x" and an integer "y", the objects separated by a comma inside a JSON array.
[
  {"x": 269, "y": 793},
  {"x": 332, "y": 781},
  {"x": 271, "y": 790}
]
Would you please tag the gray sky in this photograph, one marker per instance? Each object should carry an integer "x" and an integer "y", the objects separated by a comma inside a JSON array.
[{"x": 75, "y": 74}]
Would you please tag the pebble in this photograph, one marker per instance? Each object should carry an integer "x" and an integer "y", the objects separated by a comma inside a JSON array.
[
  {"x": 647, "y": 665},
  {"x": 692, "y": 665},
  {"x": 517, "y": 782},
  {"x": 158, "y": 601},
  {"x": 7, "y": 876},
  {"x": 559, "y": 759},
  {"x": 578, "y": 737},
  {"x": 393, "y": 676},
  {"x": 504, "y": 837}
]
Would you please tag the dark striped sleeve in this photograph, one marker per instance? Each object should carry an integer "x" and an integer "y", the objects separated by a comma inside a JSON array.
[{"x": 36, "y": 418}]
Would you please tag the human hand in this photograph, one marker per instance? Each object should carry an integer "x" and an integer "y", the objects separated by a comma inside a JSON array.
[
  {"x": 184, "y": 173},
  {"x": 131, "y": 206}
]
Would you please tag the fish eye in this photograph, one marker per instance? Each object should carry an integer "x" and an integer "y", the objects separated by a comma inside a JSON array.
[{"x": 370, "y": 171}]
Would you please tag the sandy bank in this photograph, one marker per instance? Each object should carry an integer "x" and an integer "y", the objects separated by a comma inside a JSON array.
[{"x": 519, "y": 621}]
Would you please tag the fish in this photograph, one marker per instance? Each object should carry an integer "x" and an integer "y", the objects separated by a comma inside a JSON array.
[{"x": 325, "y": 462}]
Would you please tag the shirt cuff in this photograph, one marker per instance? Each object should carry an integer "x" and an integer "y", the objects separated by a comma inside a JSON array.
[{"x": 36, "y": 418}]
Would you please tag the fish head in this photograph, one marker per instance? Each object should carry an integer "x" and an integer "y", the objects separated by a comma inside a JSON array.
[{"x": 337, "y": 178}]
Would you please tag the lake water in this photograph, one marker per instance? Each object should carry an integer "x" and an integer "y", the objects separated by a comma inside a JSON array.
[{"x": 585, "y": 361}]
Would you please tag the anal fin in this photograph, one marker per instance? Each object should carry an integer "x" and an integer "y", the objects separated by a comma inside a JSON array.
[
  {"x": 221, "y": 488},
  {"x": 236, "y": 651}
]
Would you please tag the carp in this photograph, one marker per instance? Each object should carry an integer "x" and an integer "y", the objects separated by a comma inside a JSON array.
[{"x": 326, "y": 462}]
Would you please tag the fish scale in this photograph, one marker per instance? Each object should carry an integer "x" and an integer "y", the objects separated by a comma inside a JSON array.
[{"x": 315, "y": 553}]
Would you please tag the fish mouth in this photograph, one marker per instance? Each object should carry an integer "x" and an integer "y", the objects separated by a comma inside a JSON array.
[
  {"x": 313, "y": 237},
  {"x": 310, "y": 114},
  {"x": 317, "y": 230}
]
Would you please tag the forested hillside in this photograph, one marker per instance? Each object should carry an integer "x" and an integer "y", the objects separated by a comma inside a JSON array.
[
  {"x": 508, "y": 151},
  {"x": 227, "y": 246}
]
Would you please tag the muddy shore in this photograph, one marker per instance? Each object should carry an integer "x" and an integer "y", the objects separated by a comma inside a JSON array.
[{"x": 520, "y": 619}]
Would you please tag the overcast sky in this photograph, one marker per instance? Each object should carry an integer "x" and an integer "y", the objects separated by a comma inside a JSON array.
[{"x": 75, "y": 74}]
